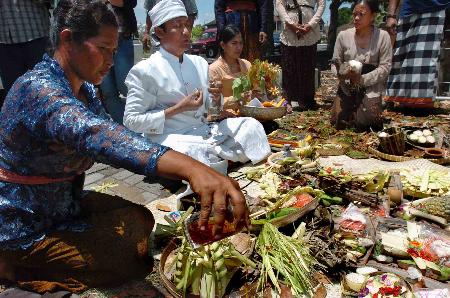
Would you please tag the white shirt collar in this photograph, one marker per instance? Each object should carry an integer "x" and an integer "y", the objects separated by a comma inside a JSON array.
[{"x": 171, "y": 57}]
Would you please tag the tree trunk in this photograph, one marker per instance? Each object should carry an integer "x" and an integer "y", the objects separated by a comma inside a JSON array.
[{"x": 332, "y": 29}]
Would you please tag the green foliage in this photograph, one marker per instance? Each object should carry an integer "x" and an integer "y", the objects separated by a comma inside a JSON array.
[
  {"x": 240, "y": 85},
  {"x": 197, "y": 31},
  {"x": 344, "y": 16}
]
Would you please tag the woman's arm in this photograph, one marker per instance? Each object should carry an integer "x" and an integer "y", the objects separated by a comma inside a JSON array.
[
  {"x": 381, "y": 73},
  {"x": 338, "y": 53},
  {"x": 65, "y": 119},
  {"x": 216, "y": 191},
  {"x": 318, "y": 15},
  {"x": 284, "y": 17}
]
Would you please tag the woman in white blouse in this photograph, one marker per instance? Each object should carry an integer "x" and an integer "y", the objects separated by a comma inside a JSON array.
[{"x": 299, "y": 39}]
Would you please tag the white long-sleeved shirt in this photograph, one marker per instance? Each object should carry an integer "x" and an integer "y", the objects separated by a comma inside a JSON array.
[
  {"x": 309, "y": 16},
  {"x": 158, "y": 83},
  {"x": 162, "y": 81}
]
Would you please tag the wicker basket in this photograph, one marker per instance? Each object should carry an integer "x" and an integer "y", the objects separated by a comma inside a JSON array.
[
  {"x": 238, "y": 242},
  {"x": 394, "y": 142},
  {"x": 263, "y": 114},
  {"x": 161, "y": 268},
  {"x": 389, "y": 157}
]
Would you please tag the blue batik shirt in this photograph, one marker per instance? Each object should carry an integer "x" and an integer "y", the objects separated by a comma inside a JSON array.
[{"x": 44, "y": 131}]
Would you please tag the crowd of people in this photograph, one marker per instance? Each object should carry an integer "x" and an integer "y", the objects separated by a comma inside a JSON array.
[{"x": 170, "y": 115}]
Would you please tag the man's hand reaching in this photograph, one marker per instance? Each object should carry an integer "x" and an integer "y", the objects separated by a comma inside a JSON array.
[{"x": 189, "y": 103}]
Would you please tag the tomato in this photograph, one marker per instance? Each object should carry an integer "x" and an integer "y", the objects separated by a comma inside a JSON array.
[{"x": 303, "y": 199}]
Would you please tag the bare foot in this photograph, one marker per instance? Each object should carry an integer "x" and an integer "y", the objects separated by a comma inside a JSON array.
[{"x": 6, "y": 270}]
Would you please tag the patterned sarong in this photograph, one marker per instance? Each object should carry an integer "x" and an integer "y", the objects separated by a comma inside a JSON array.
[{"x": 413, "y": 77}]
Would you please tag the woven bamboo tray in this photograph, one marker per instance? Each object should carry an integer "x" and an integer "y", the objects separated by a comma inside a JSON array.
[
  {"x": 389, "y": 157},
  {"x": 161, "y": 268},
  {"x": 244, "y": 248}
]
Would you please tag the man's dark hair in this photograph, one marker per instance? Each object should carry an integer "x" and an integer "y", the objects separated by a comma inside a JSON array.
[
  {"x": 227, "y": 34},
  {"x": 374, "y": 5},
  {"x": 83, "y": 17}
]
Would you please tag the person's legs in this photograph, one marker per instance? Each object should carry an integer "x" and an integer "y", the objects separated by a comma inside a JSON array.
[
  {"x": 35, "y": 50},
  {"x": 342, "y": 112},
  {"x": 17, "y": 59},
  {"x": 306, "y": 73},
  {"x": 113, "y": 84},
  {"x": 123, "y": 62},
  {"x": 290, "y": 81},
  {"x": 11, "y": 63},
  {"x": 112, "y": 251},
  {"x": 368, "y": 114}
]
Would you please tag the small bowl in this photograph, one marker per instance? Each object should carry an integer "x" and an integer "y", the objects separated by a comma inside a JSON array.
[{"x": 434, "y": 152}]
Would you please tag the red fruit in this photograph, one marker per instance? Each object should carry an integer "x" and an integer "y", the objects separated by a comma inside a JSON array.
[{"x": 303, "y": 199}]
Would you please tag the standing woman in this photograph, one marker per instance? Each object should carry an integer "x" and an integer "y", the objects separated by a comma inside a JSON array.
[
  {"x": 299, "y": 39},
  {"x": 53, "y": 235},
  {"x": 372, "y": 47},
  {"x": 229, "y": 65},
  {"x": 251, "y": 17}
]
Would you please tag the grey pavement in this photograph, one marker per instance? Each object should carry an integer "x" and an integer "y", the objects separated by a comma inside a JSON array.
[{"x": 151, "y": 191}]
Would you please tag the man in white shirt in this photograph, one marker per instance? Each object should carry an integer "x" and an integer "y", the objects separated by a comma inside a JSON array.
[{"x": 168, "y": 98}]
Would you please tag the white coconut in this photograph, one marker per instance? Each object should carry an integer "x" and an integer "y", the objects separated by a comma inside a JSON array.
[
  {"x": 413, "y": 137},
  {"x": 427, "y": 132},
  {"x": 366, "y": 270},
  {"x": 355, "y": 65},
  {"x": 422, "y": 140},
  {"x": 430, "y": 139},
  {"x": 355, "y": 281},
  {"x": 418, "y": 133},
  {"x": 382, "y": 134}
]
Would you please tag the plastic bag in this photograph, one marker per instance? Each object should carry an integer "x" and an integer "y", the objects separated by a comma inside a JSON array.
[
  {"x": 353, "y": 221},
  {"x": 428, "y": 293}
]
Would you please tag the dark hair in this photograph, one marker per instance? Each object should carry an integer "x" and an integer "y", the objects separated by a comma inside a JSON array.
[
  {"x": 83, "y": 17},
  {"x": 227, "y": 34},
  {"x": 374, "y": 5}
]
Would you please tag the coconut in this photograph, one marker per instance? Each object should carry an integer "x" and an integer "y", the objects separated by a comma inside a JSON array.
[
  {"x": 366, "y": 270},
  {"x": 418, "y": 133},
  {"x": 427, "y": 132},
  {"x": 382, "y": 134},
  {"x": 413, "y": 137},
  {"x": 355, "y": 281},
  {"x": 430, "y": 139},
  {"x": 355, "y": 66},
  {"x": 422, "y": 140}
]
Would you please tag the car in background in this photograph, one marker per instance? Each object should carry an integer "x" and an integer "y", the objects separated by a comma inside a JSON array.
[
  {"x": 206, "y": 44},
  {"x": 276, "y": 43}
]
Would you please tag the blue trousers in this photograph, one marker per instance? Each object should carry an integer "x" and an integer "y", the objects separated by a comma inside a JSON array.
[{"x": 113, "y": 84}]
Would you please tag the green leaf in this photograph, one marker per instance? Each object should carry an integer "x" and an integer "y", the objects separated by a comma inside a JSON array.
[{"x": 240, "y": 85}]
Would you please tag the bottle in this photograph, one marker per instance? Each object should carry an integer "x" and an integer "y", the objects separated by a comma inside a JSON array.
[
  {"x": 287, "y": 150},
  {"x": 197, "y": 237}
]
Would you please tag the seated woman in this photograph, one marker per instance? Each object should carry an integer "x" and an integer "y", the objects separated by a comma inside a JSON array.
[
  {"x": 54, "y": 236},
  {"x": 358, "y": 101},
  {"x": 229, "y": 66},
  {"x": 168, "y": 98}
]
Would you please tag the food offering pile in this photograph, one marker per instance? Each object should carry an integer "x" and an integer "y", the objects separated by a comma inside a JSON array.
[{"x": 383, "y": 233}]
